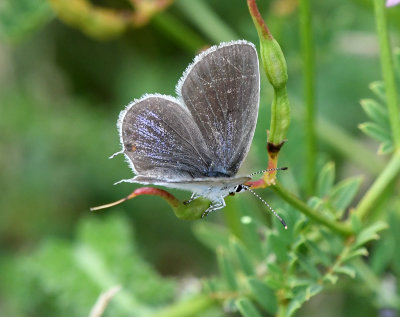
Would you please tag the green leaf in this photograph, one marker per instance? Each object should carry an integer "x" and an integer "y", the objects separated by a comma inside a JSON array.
[
  {"x": 243, "y": 258},
  {"x": 369, "y": 233},
  {"x": 211, "y": 235},
  {"x": 346, "y": 270},
  {"x": 246, "y": 308},
  {"x": 382, "y": 253},
  {"x": 295, "y": 282},
  {"x": 307, "y": 265},
  {"x": 355, "y": 254},
  {"x": 251, "y": 237},
  {"x": 355, "y": 222},
  {"x": 375, "y": 131},
  {"x": 385, "y": 251},
  {"x": 394, "y": 220},
  {"x": 302, "y": 295},
  {"x": 278, "y": 245},
  {"x": 334, "y": 242},
  {"x": 74, "y": 274},
  {"x": 275, "y": 278},
  {"x": 331, "y": 278},
  {"x": 315, "y": 202},
  {"x": 319, "y": 254},
  {"x": 226, "y": 269},
  {"x": 326, "y": 179},
  {"x": 375, "y": 111},
  {"x": 264, "y": 295},
  {"x": 344, "y": 192},
  {"x": 378, "y": 88},
  {"x": 385, "y": 147},
  {"x": 19, "y": 19}
]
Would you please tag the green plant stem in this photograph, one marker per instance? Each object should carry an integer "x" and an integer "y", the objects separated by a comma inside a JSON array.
[
  {"x": 282, "y": 309},
  {"x": 307, "y": 48},
  {"x": 388, "y": 71},
  {"x": 178, "y": 31},
  {"x": 190, "y": 307},
  {"x": 311, "y": 213},
  {"x": 391, "y": 171},
  {"x": 210, "y": 24}
]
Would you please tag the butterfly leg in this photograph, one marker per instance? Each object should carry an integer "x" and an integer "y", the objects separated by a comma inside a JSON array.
[
  {"x": 215, "y": 205},
  {"x": 193, "y": 197}
]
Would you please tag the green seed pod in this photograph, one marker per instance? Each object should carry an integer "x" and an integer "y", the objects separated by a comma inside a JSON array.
[
  {"x": 274, "y": 65},
  {"x": 273, "y": 61}
]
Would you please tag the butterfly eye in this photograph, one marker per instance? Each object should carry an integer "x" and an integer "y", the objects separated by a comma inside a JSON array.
[{"x": 239, "y": 188}]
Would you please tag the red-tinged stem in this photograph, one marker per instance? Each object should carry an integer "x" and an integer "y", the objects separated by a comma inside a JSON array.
[
  {"x": 191, "y": 211},
  {"x": 256, "y": 184},
  {"x": 256, "y": 15},
  {"x": 143, "y": 191},
  {"x": 157, "y": 192}
]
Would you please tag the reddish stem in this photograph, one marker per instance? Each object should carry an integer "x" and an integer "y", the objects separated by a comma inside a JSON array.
[
  {"x": 256, "y": 15},
  {"x": 154, "y": 191}
]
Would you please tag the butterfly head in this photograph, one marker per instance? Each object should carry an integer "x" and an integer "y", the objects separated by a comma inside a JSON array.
[{"x": 238, "y": 189}]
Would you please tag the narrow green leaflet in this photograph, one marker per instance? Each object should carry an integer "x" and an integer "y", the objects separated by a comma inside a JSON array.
[
  {"x": 326, "y": 179},
  {"x": 378, "y": 88},
  {"x": 246, "y": 308},
  {"x": 264, "y": 295},
  {"x": 370, "y": 233},
  {"x": 279, "y": 247},
  {"x": 275, "y": 278},
  {"x": 344, "y": 192},
  {"x": 334, "y": 242},
  {"x": 211, "y": 235},
  {"x": 331, "y": 278},
  {"x": 308, "y": 266},
  {"x": 226, "y": 269},
  {"x": 251, "y": 238},
  {"x": 315, "y": 202},
  {"x": 302, "y": 295},
  {"x": 243, "y": 258},
  {"x": 355, "y": 222},
  {"x": 355, "y": 254},
  {"x": 321, "y": 255},
  {"x": 385, "y": 147},
  {"x": 346, "y": 270},
  {"x": 375, "y": 131},
  {"x": 375, "y": 111}
]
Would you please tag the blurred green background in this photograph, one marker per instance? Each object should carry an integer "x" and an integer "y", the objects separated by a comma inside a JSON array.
[{"x": 62, "y": 86}]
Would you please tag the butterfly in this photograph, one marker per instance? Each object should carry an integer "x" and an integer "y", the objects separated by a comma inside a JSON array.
[{"x": 198, "y": 140}]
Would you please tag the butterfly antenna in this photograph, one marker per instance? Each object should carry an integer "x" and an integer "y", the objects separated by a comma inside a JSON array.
[
  {"x": 269, "y": 207},
  {"x": 270, "y": 170}
]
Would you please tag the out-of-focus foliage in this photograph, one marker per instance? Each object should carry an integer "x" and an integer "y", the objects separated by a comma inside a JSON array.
[
  {"x": 379, "y": 129},
  {"x": 66, "y": 70},
  {"x": 70, "y": 275},
  {"x": 19, "y": 19},
  {"x": 274, "y": 266}
]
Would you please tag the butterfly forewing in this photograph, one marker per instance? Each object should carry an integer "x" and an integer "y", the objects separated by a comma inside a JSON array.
[{"x": 221, "y": 91}]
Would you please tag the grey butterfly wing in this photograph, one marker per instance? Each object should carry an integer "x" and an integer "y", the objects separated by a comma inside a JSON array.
[
  {"x": 161, "y": 140},
  {"x": 221, "y": 90}
]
